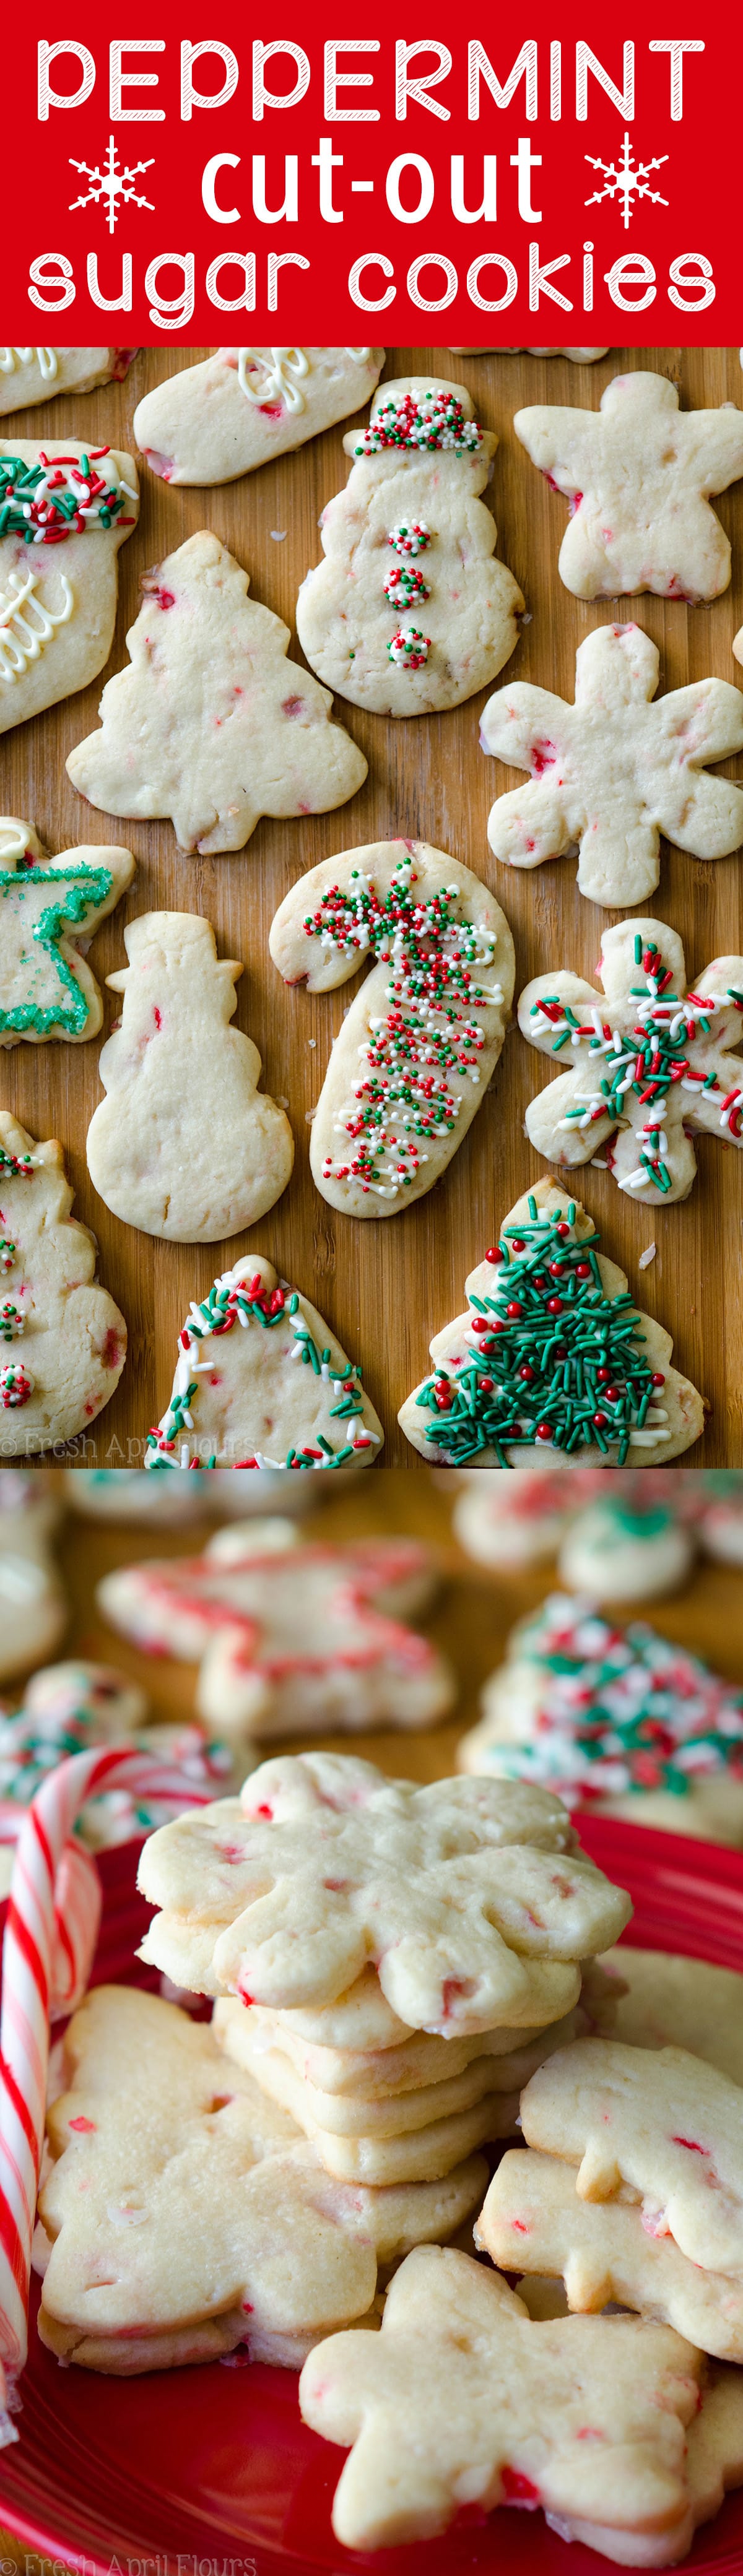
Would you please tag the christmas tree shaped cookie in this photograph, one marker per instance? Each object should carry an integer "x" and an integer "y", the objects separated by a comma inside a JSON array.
[
  {"x": 612, "y": 772},
  {"x": 243, "y": 407},
  {"x": 35, "y": 375},
  {"x": 47, "y": 905},
  {"x": 551, "y": 1356},
  {"x": 211, "y": 724},
  {"x": 64, "y": 512},
  {"x": 410, "y": 610},
  {"x": 643, "y": 1057},
  {"x": 184, "y": 1146},
  {"x": 260, "y": 1382},
  {"x": 415, "y": 1053},
  {"x": 638, "y": 474},
  {"x": 62, "y": 1339}
]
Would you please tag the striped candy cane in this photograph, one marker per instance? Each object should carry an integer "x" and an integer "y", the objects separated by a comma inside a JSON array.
[{"x": 50, "y": 1937}]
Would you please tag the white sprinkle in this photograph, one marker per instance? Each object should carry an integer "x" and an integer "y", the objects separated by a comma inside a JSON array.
[
  {"x": 647, "y": 1256},
  {"x": 599, "y": 1163},
  {"x": 312, "y": 1042},
  {"x": 280, "y": 1102},
  {"x": 278, "y": 535}
]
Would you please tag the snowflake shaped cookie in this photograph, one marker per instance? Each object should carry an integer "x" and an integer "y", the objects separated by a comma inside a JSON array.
[
  {"x": 612, "y": 772},
  {"x": 243, "y": 407},
  {"x": 551, "y": 1355},
  {"x": 638, "y": 475},
  {"x": 187, "y": 2214},
  {"x": 413, "y": 1059},
  {"x": 323, "y": 1865},
  {"x": 647, "y": 1060},
  {"x": 47, "y": 906},
  {"x": 287, "y": 1641},
  {"x": 423, "y": 461},
  {"x": 463, "y": 2399},
  {"x": 211, "y": 725},
  {"x": 663, "y": 2123}
]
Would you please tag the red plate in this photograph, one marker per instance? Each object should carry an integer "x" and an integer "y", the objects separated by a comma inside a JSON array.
[{"x": 210, "y": 2472}]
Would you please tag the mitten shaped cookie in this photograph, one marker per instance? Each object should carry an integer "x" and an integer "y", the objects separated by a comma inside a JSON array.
[
  {"x": 638, "y": 474},
  {"x": 248, "y": 1391},
  {"x": 243, "y": 407},
  {"x": 413, "y": 1058},
  {"x": 35, "y": 375},
  {"x": 211, "y": 725},
  {"x": 612, "y": 772},
  {"x": 184, "y": 1146},
  {"x": 290, "y": 1638},
  {"x": 648, "y": 1061},
  {"x": 73, "y": 1337},
  {"x": 47, "y": 989},
  {"x": 464, "y": 2398},
  {"x": 63, "y": 517},
  {"x": 410, "y": 612},
  {"x": 550, "y": 1355}
]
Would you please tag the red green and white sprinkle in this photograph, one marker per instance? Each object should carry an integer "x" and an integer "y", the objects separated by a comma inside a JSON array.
[
  {"x": 616, "y": 1709},
  {"x": 239, "y": 1299},
  {"x": 61, "y": 496},
  {"x": 410, "y": 538},
  {"x": 431, "y": 420},
  {"x": 16, "y": 1385},
  {"x": 637, "y": 1059},
  {"x": 409, "y": 648}
]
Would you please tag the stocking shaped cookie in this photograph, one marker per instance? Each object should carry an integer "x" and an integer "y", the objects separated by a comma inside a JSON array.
[
  {"x": 611, "y": 773},
  {"x": 47, "y": 905},
  {"x": 646, "y": 1060},
  {"x": 282, "y": 1384},
  {"x": 184, "y": 1146},
  {"x": 211, "y": 725},
  {"x": 551, "y": 1355},
  {"x": 64, "y": 512},
  {"x": 416, "y": 1050},
  {"x": 665, "y": 2124},
  {"x": 187, "y": 2213},
  {"x": 638, "y": 474},
  {"x": 62, "y": 1339},
  {"x": 243, "y": 407},
  {"x": 455, "y": 1893},
  {"x": 410, "y": 611},
  {"x": 35, "y": 375},
  {"x": 613, "y": 1718},
  {"x": 33, "y": 1608},
  {"x": 306, "y": 1636},
  {"x": 463, "y": 2398}
]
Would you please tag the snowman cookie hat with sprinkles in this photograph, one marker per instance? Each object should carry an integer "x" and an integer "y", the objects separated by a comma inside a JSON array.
[
  {"x": 242, "y": 1401},
  {"x": 552, "y": 1354},
  {"x": 410, "y": 612},
  {"x": 643, "y": 1057}
]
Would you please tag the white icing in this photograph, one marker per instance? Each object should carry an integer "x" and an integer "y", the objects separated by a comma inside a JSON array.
[
  {"x": 20, "y": 642},
  {"x": 47, "y": 361},
  {"x": 282, "y": 380}
]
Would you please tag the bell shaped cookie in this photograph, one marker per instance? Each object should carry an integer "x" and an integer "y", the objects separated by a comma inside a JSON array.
[
  {"x": 211, "y": 725},
  {"x": 410, "y": 611}
]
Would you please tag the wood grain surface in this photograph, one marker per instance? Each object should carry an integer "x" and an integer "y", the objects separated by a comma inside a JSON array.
[{"x": 386, "y": 1285}]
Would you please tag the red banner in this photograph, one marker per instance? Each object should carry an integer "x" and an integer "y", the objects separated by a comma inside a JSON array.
[{"x": 471, "y": 179}]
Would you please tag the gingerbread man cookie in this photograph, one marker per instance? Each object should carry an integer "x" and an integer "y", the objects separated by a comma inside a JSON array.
[
  {"x": 463, "y": 2399},
  {"x": 612, "y": 772},
  {"x": 292, "y": 1638},
  {"x": 47, "y": 907},
  {"x": 533, "y": 2217},
  {"x": 35, "y": 375},
  {"x": 211, "y": 725},
  {"x": 647, "y": 1060},
  {"x": 226, "y": 1407},
  {"x": 415, "y": 1053},
  {"x": 638, "y": 474},
  {"x": 551, "y": 1355},
  {"x": 664, "y": 2124},
  {"x": 63, "y": 517},
  {"x": 243, "y": 407},
  {"x": 74, "y": 1339},
  {"x": 174, "y": 2173},
  {"x": 455, "y": 1892},
  {"x": 185, "y": 1146},
  {"x": 410, "y": 612}
]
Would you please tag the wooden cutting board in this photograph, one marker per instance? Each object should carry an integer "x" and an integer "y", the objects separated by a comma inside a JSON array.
[{"x": 386, "y": 1285}]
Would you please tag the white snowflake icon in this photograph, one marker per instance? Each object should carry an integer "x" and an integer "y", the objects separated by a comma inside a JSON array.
[
  {"x": 625, "y": 181},
  {"x": 112, "y": 186}
]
